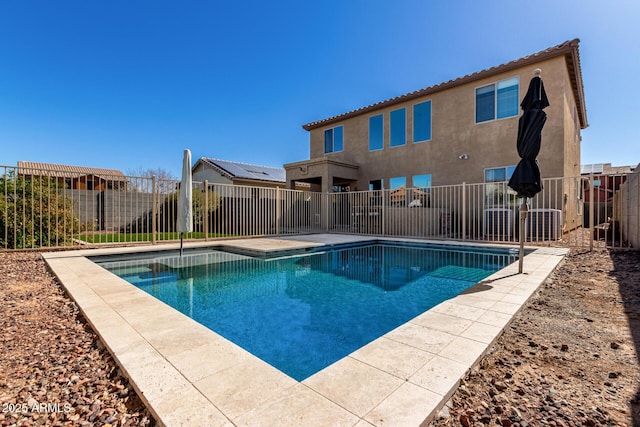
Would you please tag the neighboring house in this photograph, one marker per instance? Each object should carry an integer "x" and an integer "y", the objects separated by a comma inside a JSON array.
[
  {"x": 462, "y": 130},
  {"x": 218, "y": 171},
  {"x": 75, "y": 177},
  {"x": 606, "y": 180}
]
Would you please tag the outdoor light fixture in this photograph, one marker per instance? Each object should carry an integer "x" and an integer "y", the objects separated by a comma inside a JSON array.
[{"x": 463, "y": 156}]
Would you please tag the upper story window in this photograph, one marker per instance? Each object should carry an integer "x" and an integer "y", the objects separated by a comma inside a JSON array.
[
  {"x": 422, "y": 122},
  {"x": 376, "y": 132},
  {"x": 333, "y": 140},
  {"x": 497, "y": 100},
  {"x": 398, "y": 120}
]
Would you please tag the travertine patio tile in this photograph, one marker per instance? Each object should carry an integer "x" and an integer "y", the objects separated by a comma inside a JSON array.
[
  {"x": 505, "y": 307},
  {"x": 354, "y": 385},
  {"x": 145, "y": 314},
  {"x": 516, "y": 299},
  {"x": 494, "y": 294},
  {"x": 297, "y": 406},
  {"x": 482, "y": 332},
  {"x": 464, "y": 350},
  {"x": 393, "y": 357},
  {"x": 137, "y": 353},
  {"x": 440, "y": 375},
  {"x": 186, "y": 406},
  {"x": 473, "y": 301},
  {"x": 458, "y": 310},
  {"x": 495, "y": 318},
  {"x": 527, "y": 291},
  {"x": 204, "y": 360},
  {"x": 184, "y": 336},
  {"x": 442, "y": 322},
  {"x": 155, "y": 378},
  {"x": 430, "y": 340},
  {"x": 240, "y": 388},
  {"x": 409, "y": 405}
]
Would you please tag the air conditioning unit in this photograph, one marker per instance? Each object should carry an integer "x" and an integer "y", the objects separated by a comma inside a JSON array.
[
  {"x": 544, "y": 224},
  {"x": 499, "y": 224}
]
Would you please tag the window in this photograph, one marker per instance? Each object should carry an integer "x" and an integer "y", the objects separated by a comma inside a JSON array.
[
  {"x": 422, "y": 122},
  {"x": 375, "y": 185},
  {"x": 376, "y": 133},
  {"x": 496, "y": 187},
  {"x": 397, "y": 182},
  {"x": 422, "y": 181},
  {"x": 497, "y": 101},
  {"x": 420, "y": 193},
  {"x": 398, "y": 194},
  {"x": 398, "y": 127},
  {"x": 333, "y": 140}
]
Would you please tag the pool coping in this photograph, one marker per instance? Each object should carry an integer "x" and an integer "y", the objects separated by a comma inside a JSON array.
[{"x": 188, "y": 375}]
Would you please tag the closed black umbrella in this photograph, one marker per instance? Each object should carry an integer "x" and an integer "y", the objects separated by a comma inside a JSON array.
[{"x": 526, "y": 180}]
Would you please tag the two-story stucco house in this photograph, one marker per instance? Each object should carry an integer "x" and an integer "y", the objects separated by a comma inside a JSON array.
[{"x": 462, "y": 130}]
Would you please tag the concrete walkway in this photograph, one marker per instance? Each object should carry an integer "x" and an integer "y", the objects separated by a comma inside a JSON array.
[{"x": 188, "y": 375}]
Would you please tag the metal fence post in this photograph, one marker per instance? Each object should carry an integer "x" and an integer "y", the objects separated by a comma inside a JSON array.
[
  {"x": 383, "y": 213},
  {"x": 205, "y": 214},
  {"x": 277, "y": 211},
  {"x": 154, "y": 208},
  {"x": 591, "y": 203},
  {"x": 464, "y": 210}
]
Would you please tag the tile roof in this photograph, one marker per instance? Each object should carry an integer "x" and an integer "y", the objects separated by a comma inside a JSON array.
[
  {"x": 244, "y": 170},
  {"x": 568, "y": 49},
  {"x": 66, "y": 171}
]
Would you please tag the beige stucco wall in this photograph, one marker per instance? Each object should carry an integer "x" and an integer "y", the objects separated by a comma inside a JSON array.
[
  {"x": 454, "y": 132},
  {"x": 629, "y": 196}
]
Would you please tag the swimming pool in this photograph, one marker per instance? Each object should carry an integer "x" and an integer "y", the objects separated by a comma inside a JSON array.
[{"x": 300, "y": 313}]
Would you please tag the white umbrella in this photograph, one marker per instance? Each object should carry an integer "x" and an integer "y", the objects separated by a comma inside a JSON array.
[{"x": 185, "y": 210}]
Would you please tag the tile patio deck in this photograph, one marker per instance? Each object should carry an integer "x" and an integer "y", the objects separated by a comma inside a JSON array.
[{"x": 188, "y": 375}]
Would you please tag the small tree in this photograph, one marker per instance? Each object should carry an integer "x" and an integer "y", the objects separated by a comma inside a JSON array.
[
  {"x": 139, "y": 180},
  {"x": 34, "y": 213}
]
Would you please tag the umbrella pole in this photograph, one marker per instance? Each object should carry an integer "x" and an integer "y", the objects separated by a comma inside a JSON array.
[
  {"x": 181, "y": 235},
  {"x": 523, "y": 217}
]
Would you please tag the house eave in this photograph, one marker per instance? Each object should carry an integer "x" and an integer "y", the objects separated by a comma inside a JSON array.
[{"x": 569, "y": 49}]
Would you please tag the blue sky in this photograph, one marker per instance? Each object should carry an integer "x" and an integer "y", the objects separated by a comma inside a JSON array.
[{"x": 129, "y": 84}]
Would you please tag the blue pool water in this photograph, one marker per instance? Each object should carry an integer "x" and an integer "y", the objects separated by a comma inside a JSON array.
[{"x": 301, "y": 313}]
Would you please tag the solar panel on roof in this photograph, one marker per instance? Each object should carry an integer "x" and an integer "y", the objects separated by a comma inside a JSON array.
[
  {"x": 593, "y": 168},
  {"x": 242, "y": 170}
]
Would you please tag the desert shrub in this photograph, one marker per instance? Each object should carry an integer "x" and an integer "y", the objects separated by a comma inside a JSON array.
[
  {"x": 34, "y": 213},
  {"x": 169, "y": 209}
]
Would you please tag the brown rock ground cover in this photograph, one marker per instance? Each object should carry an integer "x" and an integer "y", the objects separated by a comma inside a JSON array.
[
  {"x": 53, "y": 369},
  {"x": 570, "y": 358}
]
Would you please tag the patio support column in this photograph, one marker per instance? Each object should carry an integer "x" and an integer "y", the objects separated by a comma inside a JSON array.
[{"x": 327, "y": 182}]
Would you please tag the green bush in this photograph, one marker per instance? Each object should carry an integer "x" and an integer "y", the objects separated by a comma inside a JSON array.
[
  {"x": 169, "y": 209},
  {"x": 34, "y": 213}
]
